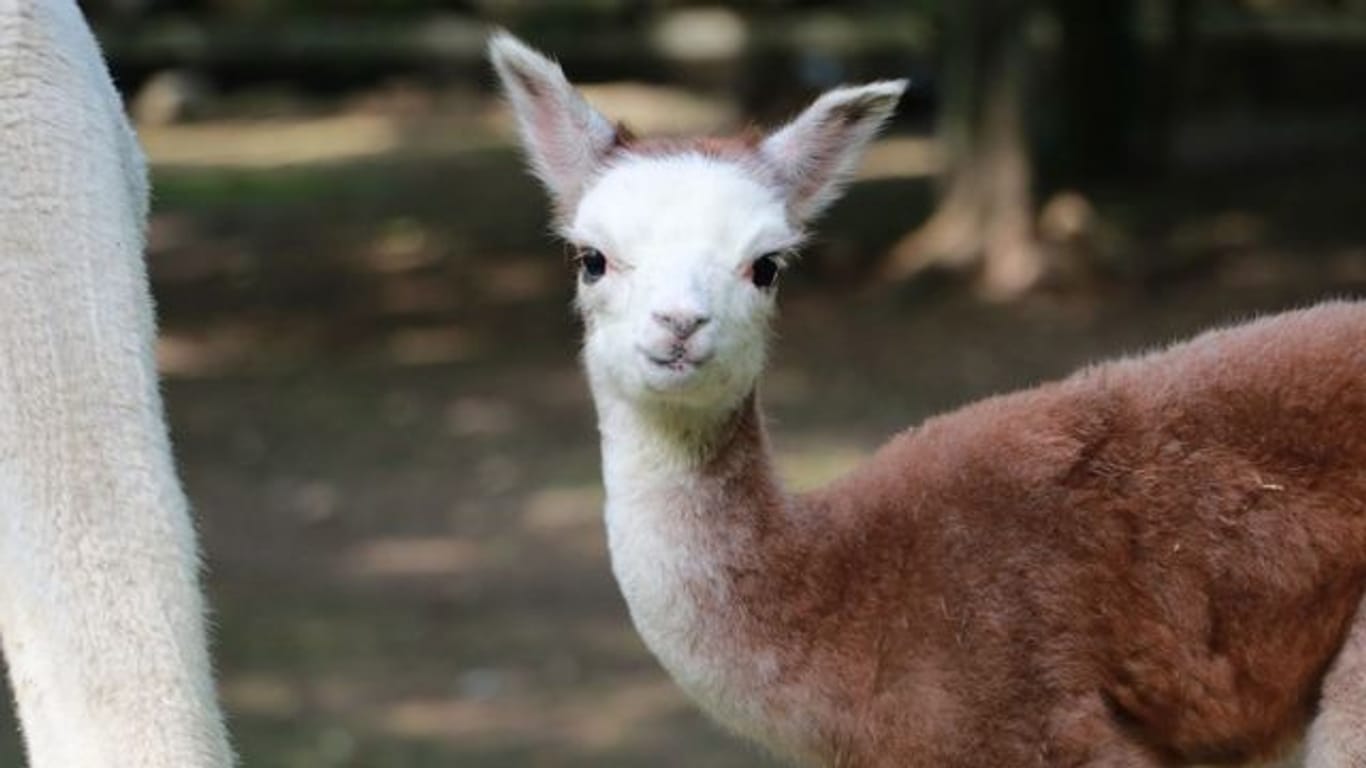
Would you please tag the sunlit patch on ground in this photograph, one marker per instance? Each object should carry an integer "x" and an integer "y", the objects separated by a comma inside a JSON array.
[
  {"x": 415, "y": 556},
  {"x": 272, "y": 143}
]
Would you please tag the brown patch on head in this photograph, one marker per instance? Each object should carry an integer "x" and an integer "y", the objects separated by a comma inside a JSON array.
[{"x": 739, "y": 147}]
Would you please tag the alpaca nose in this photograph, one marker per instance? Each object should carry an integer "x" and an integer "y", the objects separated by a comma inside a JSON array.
[{"x": 682, "y": 324}]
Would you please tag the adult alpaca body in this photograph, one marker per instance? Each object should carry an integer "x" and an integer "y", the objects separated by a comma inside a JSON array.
[
  {"x": 1155, "y": 562},
  {"x": 100, "y": 612}
]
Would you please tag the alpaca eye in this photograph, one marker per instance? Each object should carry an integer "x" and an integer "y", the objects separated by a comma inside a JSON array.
[
  {"x": 592, "y": 264},
  {"x": 764, "y": 270}
]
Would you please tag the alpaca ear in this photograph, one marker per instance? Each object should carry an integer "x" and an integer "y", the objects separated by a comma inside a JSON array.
[
  {"x": 817, "y": 153},
  {"x": 565, "y": 139}
]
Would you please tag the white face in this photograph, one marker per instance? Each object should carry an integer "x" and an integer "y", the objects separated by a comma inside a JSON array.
[
  {"x": 685, "y": 244},
  {"x": 681, "y": 312}
]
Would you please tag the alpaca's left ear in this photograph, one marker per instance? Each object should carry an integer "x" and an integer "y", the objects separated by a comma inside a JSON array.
[
  {"x": 564, "y": 137},
  {"x": 816, "y": 154}
]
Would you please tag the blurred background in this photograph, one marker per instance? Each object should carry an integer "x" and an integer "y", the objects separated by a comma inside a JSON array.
[{"x": 370, "y": 360}]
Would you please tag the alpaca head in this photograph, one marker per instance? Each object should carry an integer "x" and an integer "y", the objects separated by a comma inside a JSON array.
[{"x": 680, "y": 243}]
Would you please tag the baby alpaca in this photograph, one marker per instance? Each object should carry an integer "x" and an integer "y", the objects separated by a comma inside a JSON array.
[
  {"x": 1155, "y": 562},
  {"x": 100, "y": 612}
]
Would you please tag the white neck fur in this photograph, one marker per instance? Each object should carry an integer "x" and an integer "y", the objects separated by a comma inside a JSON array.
[{"x": 690, "y": 500}]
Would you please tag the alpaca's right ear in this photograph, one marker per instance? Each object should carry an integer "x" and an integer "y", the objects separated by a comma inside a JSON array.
[
  {"x": 565, "y": 138},
  {"x": 817, "y": 154}
]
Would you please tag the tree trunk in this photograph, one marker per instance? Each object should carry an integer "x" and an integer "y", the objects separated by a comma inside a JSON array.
[{"x": 984, "y": 220}]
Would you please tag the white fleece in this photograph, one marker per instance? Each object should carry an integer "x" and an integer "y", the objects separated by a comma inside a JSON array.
[{"x": 100, "y": 612}]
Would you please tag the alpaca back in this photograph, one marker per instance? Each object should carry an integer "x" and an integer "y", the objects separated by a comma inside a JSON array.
[
  {"x": 1243, "y": 525},
  {"x": 1184, "y": 531}
]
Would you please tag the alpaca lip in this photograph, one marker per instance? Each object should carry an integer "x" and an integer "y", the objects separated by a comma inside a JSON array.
[{"x": 677, "y": 362}]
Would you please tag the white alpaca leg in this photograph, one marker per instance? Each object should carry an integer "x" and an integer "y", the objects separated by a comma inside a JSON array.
[
  {"x": 1337, "y": 737},
  {"x": 100, "y": 612}
]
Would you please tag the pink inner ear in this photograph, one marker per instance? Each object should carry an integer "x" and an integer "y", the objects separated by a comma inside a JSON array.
[
  {"x": 818, "y": 152},
  {"x": 529, "y": 84},
  {"x": 816, "y": 163},
  {"x": 550, "y": 128},
  {"x": 566, "y": 138},
  {"x": 811, "y": 162}
]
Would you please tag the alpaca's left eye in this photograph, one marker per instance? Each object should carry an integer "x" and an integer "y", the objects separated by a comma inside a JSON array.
[
  {"x": 592, "y": 264},
  {"x": 764, "y": 270}
]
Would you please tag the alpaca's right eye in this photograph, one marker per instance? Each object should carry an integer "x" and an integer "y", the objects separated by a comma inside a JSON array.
[
  {"x": 592, "y": 264},
  {"x": 764, "y": 271}
]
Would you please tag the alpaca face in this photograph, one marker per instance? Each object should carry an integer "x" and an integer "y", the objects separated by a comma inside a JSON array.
[
  {"x": 678, "y": 266},
  {"x": 680, "y": 243}
]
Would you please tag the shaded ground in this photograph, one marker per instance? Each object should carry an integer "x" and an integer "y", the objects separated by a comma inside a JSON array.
[{"x": 372, "y": 384}]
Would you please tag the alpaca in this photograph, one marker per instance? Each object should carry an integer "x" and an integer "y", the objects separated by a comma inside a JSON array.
[
  {"x": 100, "y": 613},
  {"x": 1155, "y": 562}
]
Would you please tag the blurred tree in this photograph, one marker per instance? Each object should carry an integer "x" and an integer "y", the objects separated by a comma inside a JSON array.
[
  {"x": 1100, "y": 100},
  {"x": 1110, "y": 113},
  {"x": 985, "y": 215}
]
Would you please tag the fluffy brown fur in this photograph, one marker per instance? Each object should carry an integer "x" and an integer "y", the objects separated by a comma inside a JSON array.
[
  {"x": 738, "y": 148},
  {"x": 1153, "y": 562}
]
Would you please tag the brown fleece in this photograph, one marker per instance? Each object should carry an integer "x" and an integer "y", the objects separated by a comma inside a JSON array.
[
  {"x": 1151, "y": 562},
  {"x": 740, "y": 147}
]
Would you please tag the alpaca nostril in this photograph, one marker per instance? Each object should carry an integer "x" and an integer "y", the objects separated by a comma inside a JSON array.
[{"x": 682, "y": 324}]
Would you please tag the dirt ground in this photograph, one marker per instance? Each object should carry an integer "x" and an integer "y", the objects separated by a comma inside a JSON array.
[{"x": 372, "y": 382}]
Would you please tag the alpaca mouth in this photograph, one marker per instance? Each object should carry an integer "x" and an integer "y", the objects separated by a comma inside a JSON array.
[{"x": 678, "y": 361}]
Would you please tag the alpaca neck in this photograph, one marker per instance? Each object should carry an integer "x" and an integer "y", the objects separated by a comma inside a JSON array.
[
  {"x": 662, "y": 449},
  {"x": 696, "y": 488},
  {"x": 693, "y": 478},
  {"x": 696, "y": 523}
]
